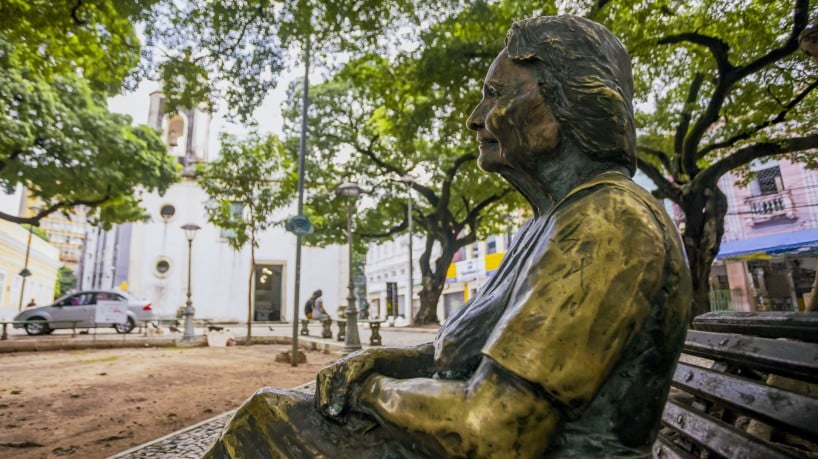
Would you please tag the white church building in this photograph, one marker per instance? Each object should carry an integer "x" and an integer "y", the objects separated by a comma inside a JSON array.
[{"x": 152, "y": 257}]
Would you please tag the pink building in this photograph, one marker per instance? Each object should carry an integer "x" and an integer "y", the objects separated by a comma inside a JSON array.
[{"x": 767, "y": 259}]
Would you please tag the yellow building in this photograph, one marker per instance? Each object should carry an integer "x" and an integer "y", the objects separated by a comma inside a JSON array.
[
  {"x": 470, "y": 269},
  {"x": 43, "y": 264}
]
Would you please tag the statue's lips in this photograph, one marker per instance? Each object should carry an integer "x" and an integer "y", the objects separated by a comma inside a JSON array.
[{"x": 486, "y": 142}]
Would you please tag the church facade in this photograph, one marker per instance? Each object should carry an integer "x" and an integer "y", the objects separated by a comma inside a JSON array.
[{"x": 154, "y": 260}]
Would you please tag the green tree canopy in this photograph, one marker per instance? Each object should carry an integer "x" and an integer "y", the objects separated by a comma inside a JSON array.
[
  {"x": 234, "y": 52},
  {"x": 720, "y": 84},
  {"x": 372, "y": 125},
  {"x": 248, "y": 182},
  {"x": 57, "y": 138},
  {"x": 245, "y": 186}
]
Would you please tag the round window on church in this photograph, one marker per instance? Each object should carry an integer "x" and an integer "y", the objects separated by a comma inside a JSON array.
[
  {"x": 167, "y": 212},
  {"x": 162, "y": 267}
]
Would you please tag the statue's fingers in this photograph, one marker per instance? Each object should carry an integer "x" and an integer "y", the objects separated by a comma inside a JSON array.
[
  {"x": 320, "y": 386},
  {"x": 337, "y": 403},
  {"x": 327, "y": 385}
]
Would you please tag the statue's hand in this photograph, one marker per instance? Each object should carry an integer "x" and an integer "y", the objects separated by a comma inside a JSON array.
[{"x": 333, "y": 383}]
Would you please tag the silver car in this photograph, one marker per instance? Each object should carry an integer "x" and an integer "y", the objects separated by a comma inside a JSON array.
[{"x": 78, "y": 310}]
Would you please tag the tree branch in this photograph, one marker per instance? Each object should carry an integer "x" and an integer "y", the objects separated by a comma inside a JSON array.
[
  {"x": 12, "y": 157},
  {"x": 426, "y": 192},
  {"x": 442, "y": 207},
  {"x": 74, "y": 10},
  {"x": 658, "y": 154},
  {"x": 223, "y": 52},
  {"x": 478, "y": 209},
  {"x": 446, "y": 187},
  {"x": 749, "y": 153},
  {"x": 800, "y": 19},
  {"x": 597, "y": 8},
  {"x": 718, "y": 48},
  {"x": 369, "y": 153},
  {"x": 729, "y": 75},
  {"x": 397, "y": 229},
  {"x": 687, "y": 113},
  {"x": 780, "y": 117},
  {"x": 664, "y": 187},
  {"x": 35, "y": 219}
]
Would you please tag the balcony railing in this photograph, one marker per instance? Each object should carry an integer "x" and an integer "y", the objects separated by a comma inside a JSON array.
[{"x": 777, "y": 206}]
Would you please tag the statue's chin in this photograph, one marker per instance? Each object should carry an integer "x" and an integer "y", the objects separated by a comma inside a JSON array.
[{"x": 490, "y": 162}]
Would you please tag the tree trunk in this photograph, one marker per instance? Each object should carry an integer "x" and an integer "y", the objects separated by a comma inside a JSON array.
[
  {"x": 431, "y": 287},
  {"x": 704, "y": 226},
  {"x": 432, "y": 282}
]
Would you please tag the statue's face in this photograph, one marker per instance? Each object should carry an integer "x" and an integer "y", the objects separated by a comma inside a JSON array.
[{"x": 514, "y": 126}]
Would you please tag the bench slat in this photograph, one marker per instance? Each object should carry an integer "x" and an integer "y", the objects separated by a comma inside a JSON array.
[
  {"x": 769, "y": 324},
  {"x": 717, "y": 435},
  {"x": 665, "y": 449},
  {"x": 773, "y": 405},
  {"x": 794, "y": 359}
]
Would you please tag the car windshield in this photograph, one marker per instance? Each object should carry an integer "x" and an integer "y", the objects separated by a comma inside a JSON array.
[{"x": 91, "y": 297}]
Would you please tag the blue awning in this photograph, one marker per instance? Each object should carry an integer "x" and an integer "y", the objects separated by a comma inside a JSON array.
[{"x": 796, "y": 242}]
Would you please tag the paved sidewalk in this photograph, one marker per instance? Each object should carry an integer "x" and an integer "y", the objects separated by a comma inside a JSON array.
[
  {"x": 18, "y": 341},
  {"x": 191, "y": 442}
]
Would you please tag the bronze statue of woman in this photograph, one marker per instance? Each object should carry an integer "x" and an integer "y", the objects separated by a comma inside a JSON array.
[{"x": 569, "y": 349}]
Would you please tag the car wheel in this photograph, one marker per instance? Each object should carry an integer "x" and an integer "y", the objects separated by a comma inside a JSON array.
[
  {"x": 37, "y": 326},
  {"x": 126, "y": 327}
]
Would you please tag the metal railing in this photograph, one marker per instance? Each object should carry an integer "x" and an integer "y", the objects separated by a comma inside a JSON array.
[
  {"x": 721, "y": 300},
  {"x": 770, "y": 207}
]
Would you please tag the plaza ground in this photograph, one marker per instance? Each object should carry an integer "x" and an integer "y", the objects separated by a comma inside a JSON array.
[{"x": 95, "y": 403}]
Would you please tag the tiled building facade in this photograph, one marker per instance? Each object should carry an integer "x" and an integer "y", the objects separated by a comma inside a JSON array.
[{"x": 768, "y": 255}]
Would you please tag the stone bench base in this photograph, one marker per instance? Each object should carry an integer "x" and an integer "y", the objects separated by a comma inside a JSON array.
[
  {"x": 374, "y": 326},
  {"x": 326, "y": 330}
]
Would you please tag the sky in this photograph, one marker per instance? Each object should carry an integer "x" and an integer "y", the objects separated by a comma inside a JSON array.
[{"x": 268, "y": 115}]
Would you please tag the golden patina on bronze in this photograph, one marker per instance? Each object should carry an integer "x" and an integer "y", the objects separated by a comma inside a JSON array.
[{"x": 569, "y": 348}]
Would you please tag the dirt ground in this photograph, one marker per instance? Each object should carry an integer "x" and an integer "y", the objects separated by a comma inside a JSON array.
[{"x": 99, "y": 402}]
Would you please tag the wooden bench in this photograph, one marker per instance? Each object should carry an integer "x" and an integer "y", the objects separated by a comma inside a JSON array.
[
  {"x": 326, "y": 327},
  {"x": 749, "y": 390},
  {"x": 374, "y": 328}
]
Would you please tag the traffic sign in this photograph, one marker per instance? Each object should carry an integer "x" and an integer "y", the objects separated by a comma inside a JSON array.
[{"x": 299, "y": 225}]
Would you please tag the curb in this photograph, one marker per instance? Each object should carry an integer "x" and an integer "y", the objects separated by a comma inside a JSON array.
[{"x": 195, "y": 440}]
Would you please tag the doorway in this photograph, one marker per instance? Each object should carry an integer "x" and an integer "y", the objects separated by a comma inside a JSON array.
[{"x": 268, "y": 293}]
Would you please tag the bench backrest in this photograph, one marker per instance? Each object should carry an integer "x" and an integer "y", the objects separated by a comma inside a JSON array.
[{"x": 754, "y": 396}]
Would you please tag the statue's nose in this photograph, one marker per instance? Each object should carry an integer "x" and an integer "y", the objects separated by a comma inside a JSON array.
[{"x": 476, "y": 120}]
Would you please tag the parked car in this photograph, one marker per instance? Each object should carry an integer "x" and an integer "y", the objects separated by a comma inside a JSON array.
[{"x": 79, "y": 310}]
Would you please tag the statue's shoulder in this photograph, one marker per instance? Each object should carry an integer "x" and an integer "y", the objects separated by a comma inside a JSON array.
[
  {"x": 614, "y": 200},
  {"x": 613, "y": 189}
]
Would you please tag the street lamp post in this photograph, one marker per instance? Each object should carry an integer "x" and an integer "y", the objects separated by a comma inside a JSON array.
[
  {"x": 24, "y": 273},
  {"x": 190, "y": 233},
  {"x": 352, "y": 342},
  {"x": 410, "y": 293}
]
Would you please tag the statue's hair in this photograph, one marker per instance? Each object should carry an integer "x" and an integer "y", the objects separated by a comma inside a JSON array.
[{"x": 584, "y": 73}]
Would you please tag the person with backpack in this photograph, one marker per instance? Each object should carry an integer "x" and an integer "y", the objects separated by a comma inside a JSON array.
[{"x": 314, "y": 308}]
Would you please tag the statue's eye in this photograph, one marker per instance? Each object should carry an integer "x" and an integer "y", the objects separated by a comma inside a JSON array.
[{"x": 491, "y": 90}]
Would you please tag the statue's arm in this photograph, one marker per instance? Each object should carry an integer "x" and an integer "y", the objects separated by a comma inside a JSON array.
[
  {"x": 493, "y": 414},
  {"x": 334, "y": 382}
]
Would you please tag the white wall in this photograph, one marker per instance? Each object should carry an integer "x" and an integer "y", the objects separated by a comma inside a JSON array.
[
  {"x": 10, "y": 203},
  {"x": 219, "y": 275}
]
